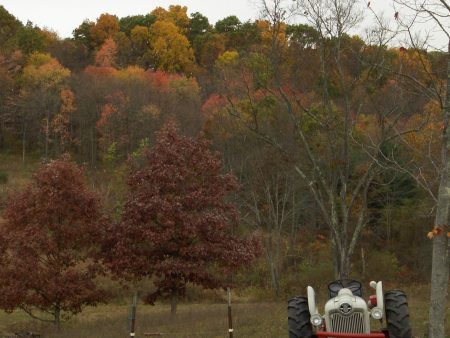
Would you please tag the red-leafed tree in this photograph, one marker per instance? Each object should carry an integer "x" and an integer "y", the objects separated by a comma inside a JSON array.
[
  {"x": 49, "y": 233},
  {"x": 176, "y": 225}
]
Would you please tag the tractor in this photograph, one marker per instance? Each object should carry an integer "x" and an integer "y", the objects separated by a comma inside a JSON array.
[{"x": 348, "y": 315}]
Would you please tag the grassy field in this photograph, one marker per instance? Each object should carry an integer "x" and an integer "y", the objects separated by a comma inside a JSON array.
[{"x": 251, "y": 320}]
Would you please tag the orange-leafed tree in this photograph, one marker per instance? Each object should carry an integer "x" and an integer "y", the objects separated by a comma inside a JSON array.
[
  {"x": 62, "y": 121},
  {"x": 106, "y": 55},
  {"x": 48, "y": 237},
  {"x": 107, "y": 26},
  {"x": 177, "y": 225}
]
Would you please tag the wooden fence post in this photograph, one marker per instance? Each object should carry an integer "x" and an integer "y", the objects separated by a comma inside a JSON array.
[
  {"x": 230, "y": 319},
  {"x": 133, "y": 315}
]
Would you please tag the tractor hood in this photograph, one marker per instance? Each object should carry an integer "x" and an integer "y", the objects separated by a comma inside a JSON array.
[{"x": 347, "y": 313}]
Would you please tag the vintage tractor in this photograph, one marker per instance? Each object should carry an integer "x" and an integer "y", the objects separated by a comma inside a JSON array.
[{"x": 348, "y": 315}]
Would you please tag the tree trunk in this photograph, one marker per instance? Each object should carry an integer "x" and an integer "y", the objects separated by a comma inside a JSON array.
[
  {"x": 439, "y": 287},
  {"x": 173, "y": 303},
  {"x": 334, "y": 255},
  {"x": 273, "y": 261},
  {"x": 341, "y": 260},
  {"x": 94, "y": 146},
  {"x": 57, "y": 317},
  {"x": 24, "y": 133},
  {"x": 440, "y": 258},
  {"x": 344, "y": 272},
  {"x": 46, "y": 138},
  {"x": 275, "y": 279},
  {"x": 2, "y": 132}
]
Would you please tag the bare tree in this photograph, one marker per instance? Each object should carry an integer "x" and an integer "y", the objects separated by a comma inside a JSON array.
[
  {"x": 433, "y": 15},
  {"x": 335, "y": 159},
  {"x": 340, "y": 195},
  {"x": 270, "y": 210}
]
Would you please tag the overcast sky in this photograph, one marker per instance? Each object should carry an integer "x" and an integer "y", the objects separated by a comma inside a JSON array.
[{"x": 64, "y": 16}]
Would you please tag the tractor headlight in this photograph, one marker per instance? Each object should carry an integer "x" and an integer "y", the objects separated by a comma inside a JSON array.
[
  {"x": 316, "y": 319},
  {"x": 376, "y": 313}
]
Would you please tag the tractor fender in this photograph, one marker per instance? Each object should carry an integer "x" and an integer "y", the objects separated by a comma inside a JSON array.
[
  {"x": 380, "y": 295},
  {"x": 378, "y": 286},
  {"x": 312, "y": 304}
]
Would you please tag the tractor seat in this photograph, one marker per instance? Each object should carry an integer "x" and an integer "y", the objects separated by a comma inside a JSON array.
[{"x": 353, "y": 285}]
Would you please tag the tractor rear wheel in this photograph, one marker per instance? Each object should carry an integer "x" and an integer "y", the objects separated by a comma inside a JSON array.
[
  {"x": 397, "y": 314},
  {"x": 299, "y": 318}
]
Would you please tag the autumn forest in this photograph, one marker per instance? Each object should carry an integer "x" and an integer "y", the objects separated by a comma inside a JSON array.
[{"x": 169, "y": 154}]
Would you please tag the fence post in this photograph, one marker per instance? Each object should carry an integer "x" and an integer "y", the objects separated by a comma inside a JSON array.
[
  {"x": 133, "y": 315},
  {"x": 230, "y": 319}
]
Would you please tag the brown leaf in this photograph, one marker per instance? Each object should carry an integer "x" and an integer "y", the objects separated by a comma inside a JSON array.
[{"x": 437, "y": 231}]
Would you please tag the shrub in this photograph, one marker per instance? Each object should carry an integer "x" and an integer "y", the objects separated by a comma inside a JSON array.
[
  {"x": 3, "y": 177},
  {"x": 382, "y": 265}
]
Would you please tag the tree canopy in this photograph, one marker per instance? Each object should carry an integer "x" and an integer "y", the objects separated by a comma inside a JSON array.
[
  {"x": 50, "y": 231},
  {"x": 177, "y": 225}
]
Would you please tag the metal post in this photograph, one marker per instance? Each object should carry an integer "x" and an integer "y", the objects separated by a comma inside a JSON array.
[
  {"x": 230, "y": 319},
  {"x": 133, "y": 315}
]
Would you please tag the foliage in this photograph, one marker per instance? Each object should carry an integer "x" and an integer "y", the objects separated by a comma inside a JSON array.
[
  {"x": 30, "y": 39},
  {"x": 41, "y": 81},
  {"x": 105, "y": 56},
  {"x": 10, "y": 27},
  {"x": 170, "y": 49},
  {"x": 43, "y": 71},
  {"x": 198, "y": 25},
  {"x": 227, "y": 58},
  {"x": 129, "y": 22},
  {"x": 176, "y": 224},
  {"x": 176, "y": 14},
  {"x": 207, "y": 48},
  {"x": 140, "y": 43},
  {"x": 382, "y": 266},
  {"x": 49, "y": 232},
  {"x": 228, "y": 24},
  {"x": 61, "y": 121},
  {"x": 302, "y": 36},
  {"x": 106, "y": 26},
  {"x": 82, "y": 34},
  {"x": 3, "y": 177}
]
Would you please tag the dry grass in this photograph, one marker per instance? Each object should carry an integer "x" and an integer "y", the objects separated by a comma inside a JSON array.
[
  {"x": 194, "y": 320},
  {"x": 251, "y": 320}
]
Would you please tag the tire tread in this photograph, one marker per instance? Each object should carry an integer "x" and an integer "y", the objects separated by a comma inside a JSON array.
[
  {"x": 397, "y": 314},
  {"x": 299, "y": 318}
]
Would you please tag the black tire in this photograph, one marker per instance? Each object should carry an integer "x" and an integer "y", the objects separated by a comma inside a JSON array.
[
  {"x": 299, "y": 318},
  {"x": 397, "y": 314}
]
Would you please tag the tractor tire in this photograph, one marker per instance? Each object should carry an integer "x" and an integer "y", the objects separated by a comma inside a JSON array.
[
  {"x": 397, "y": 314},
  {"x": 299, "y": 318}
]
